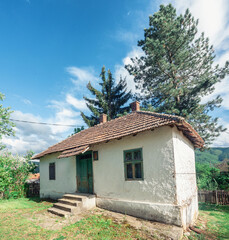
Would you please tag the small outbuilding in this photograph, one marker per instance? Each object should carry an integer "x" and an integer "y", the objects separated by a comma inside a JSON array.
[{"x": 141, "y": 164}]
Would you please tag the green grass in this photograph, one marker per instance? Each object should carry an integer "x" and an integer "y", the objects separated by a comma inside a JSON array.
[
  {"x": 100, "y": 227},
  {"x": 15, "y": 224},
  {"x": 213, "y": 221},
  {"x": 21, "y": 203}
]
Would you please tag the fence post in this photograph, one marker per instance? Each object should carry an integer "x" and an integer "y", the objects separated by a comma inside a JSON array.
[{"x": 214, "y": 197}]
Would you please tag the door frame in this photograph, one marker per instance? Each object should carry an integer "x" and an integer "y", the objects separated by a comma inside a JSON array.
[{"x": 78, "y": 171}]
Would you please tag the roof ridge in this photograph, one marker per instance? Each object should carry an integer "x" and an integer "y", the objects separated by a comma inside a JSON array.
[
  {"x": 115, "y": 119},
  {"x": 112, "y": 120},
  {"x": 163, "y": 115},
  {"x": 133, "y": 122},
  {"x": 100, "y": 124}
]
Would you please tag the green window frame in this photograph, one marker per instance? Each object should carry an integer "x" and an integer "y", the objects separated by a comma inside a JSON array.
[{"x": 133, "y": 164}]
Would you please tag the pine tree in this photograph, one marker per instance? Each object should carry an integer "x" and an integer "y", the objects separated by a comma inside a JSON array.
[
  {"x": 110, "y": 100},
  {"x": 177, "y": 70}
]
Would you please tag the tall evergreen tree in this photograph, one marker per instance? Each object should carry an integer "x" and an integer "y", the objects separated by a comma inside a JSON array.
[
  {"x": 177, "y": 70},
  {"x": 110, "y": 100}
]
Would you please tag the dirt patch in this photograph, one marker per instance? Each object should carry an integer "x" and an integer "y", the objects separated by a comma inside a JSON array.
[
  {"x": 50, "y": 221},
  {"x": 159, "y": 230}
]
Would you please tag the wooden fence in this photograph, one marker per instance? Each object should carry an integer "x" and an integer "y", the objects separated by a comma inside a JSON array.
[
  {"x": 216, "y": 197},
  {"x": 33, "y": 189}
]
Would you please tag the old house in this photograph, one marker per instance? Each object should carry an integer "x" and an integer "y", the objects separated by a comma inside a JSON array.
[{"x": 141, "y": 164}]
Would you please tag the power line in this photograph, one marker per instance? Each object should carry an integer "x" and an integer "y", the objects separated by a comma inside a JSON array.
[
  {"x": 52, "y": 124},
  {"x": 42, "y": 123}
]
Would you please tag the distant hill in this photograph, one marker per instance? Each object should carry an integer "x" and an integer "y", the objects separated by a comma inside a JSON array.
[{"x": 213, "y": 155}]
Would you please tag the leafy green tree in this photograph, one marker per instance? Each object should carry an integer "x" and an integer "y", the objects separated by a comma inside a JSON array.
[
  {"x": 207, "y": 176},
  {"x": 14, "y": 171},
  {"x": 34, "y": 168},
  {"x": 210, "y": 178},
  {"x": 177, "y": 70},
  {"x": 5, "y": 123},
  {"x": 223, "y": 181},
  {"x": 29, "y": 155},
  {"x": 110, "y": 100}
]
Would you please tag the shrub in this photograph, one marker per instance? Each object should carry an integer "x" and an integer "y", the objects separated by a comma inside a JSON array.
[
  {"x": 14, "y": 171},
  {"x": 210, "y": 178}
]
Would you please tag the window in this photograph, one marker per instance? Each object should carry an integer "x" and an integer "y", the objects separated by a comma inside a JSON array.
[
  {"x": 133, "y": 164},
  {"x": 95, "y": 156},
  {"x": 52, "y": 171}
]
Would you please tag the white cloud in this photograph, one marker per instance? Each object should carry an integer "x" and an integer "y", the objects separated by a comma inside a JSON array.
[
  {"x": 64, "y": 115},
  {"x": 81, "y": 75},
  {"x": 38, "y": 137},
  {"x": 126, "y": 36},
  {"x": 223, "y": 139},
  {"x": 29, "y": 136},
  {"x": 212, "y": 15},
  {"x": 26, "y": 101},
  {"x": 121, "y": 71},
  {"x": 78, "y": 104}
]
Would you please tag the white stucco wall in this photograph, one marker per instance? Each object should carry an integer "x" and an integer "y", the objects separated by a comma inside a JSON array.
[
  {"x": 158, "y": 168},
  {"x": 152, "y": 198},
  {"x": 65, "y": 176},
  {"x": 185, "y": 175}
]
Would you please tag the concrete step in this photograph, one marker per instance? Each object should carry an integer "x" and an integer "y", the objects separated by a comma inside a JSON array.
[
  {"x": 58, "y": 212},
  {"x": 64, "y": 207},
  {"x": 70, "y": 202},
  {"x": 75, "y": 197},
  {"x": 73, "y": 203}
]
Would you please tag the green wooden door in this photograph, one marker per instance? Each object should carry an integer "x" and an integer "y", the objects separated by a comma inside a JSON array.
[{"x": 84, "y": 173}]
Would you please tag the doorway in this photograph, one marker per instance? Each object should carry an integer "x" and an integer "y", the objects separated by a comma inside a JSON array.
[{"x": 84, "y": 173}]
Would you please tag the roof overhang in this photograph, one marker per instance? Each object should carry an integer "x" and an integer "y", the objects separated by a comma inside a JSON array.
[{"x": 74, "y": 151}]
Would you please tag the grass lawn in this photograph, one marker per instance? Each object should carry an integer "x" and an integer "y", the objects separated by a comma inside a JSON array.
[
  {"x": 19, "y": 219},
  {"x": 15, "y": 224},
  {"x": 213, "y": 222}
]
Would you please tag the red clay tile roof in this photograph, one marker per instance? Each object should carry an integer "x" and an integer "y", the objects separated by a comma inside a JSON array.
[
  {"x": 133, "y": 123},
  {"x": 34, "y": 176}
]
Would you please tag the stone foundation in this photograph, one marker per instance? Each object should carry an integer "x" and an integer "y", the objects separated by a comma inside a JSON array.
[{"x": 166, "y": 213}]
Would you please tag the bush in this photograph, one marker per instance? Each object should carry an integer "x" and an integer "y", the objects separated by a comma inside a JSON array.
[
  {"x": 210, "y": 178},
  {"x": 14, "y": 171}
]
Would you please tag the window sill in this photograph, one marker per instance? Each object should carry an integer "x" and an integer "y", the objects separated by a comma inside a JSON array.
[{"x": 131, "y": 180}]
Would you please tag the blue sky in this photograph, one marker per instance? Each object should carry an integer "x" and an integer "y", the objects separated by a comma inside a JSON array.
[{"x": 50, "y": 49}]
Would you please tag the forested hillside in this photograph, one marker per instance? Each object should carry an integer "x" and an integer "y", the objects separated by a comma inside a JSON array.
[
  {"x": 213, "y": 155},
  {"x": 209, "y": 173}
]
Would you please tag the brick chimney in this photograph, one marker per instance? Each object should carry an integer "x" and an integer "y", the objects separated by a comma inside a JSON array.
[
  {"x": 103, "y": 118},
  {"x": 135, "y": 106}
]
